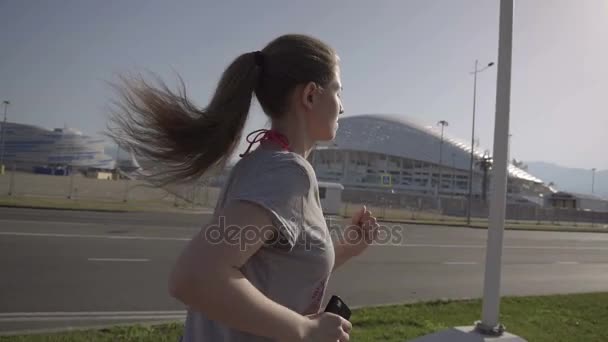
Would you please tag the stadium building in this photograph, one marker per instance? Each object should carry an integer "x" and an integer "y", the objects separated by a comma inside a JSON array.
[
  {"x": 28, "y": 147},
  {"x": 388, "y": 153}
]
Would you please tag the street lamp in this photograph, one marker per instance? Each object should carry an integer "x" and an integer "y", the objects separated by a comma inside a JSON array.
[
  {"x": 509, "y": 149},
  {"x": 6, "y": 103},
  {"x": 593, "y": 181},
  {"x": 489, "y": 327},
  {"x": 443, "y": 124},
  {"x": 473, "y": 138},
  {"x": 453, "y": 173}
]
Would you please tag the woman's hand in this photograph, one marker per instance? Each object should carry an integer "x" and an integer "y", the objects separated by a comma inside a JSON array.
[
  {"x": 325, "y": 327},
  {"x": 362, "y": 231}
]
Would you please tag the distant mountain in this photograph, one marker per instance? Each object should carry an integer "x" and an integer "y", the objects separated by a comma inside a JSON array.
[{"x": 570, "y": 179}]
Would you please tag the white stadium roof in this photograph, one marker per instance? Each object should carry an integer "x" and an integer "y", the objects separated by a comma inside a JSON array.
[{"x": 397, "y": 136}]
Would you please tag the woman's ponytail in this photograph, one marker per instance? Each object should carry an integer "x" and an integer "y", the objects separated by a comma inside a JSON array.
[{"x": 168, "y": 130}]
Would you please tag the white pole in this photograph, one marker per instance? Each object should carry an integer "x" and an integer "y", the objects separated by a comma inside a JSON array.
[
  {"x": 126, "y": 193},
  {"x": 6, "y": 103},
  {"x": 470, "y": 197},
  {"x": 491, "y": 298},
  {"x": 592, "y": 181},
  {"x": 71, "y": 189}
]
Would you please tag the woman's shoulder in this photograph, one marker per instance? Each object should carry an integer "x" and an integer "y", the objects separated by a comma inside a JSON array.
[
  {"x": 276, "y": 159},
  {"x": 275, "y": 163}
]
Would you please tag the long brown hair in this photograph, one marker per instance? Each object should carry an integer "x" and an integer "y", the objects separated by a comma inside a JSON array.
[{"x": 166, "y": 128}]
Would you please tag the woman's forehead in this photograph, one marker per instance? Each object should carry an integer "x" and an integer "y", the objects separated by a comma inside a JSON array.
[{"x": 337, "y": 81}]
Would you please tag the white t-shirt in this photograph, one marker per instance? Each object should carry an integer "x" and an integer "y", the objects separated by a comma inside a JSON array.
[{"x": 294, "y": 269}]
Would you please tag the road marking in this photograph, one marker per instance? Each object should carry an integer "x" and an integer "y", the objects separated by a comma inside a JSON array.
[
  {"x": 158, "y": 238},
  {"x": 92, "y": 236},
  {"x": 118, "y": 260},
  {"x": 460, "y": 263},
  {"x": 63, "y": 223},
  {"x": 417, "y": 245},
  {"x": 78, "y": 224},
  {"x": 567, "y": 262},
  {"x": 572, "y": 248}
]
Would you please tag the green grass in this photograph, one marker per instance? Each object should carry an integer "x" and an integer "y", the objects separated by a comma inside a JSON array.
[
  {"x": 567, "y": 318},
  {"x": 562, "y": 318},
  {"x": 156, "y": 333}
]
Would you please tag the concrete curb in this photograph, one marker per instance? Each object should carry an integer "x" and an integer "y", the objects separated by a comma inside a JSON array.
[
  {"x": 122, "y": 211},
  {"x": 448, "y": 224},
  {"x": 423, "y": 223},
  {"x": 65, "y": 209}
]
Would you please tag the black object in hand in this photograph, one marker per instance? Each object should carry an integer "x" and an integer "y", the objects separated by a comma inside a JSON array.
[{"x": 337, "y": 306}]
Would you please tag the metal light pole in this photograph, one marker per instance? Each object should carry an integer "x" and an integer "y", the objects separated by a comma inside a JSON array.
[
  {"x": 443, "y": 124},
  {"x": 509, "y": 148},
  {"x": 6, "y": 103},
  {"x": 489, "y": 328},
  {"x": 593, "y": 181},
  {"x": 470, "y": 199},
  {"x": 116, "y": 163},
  {"x": 453, "y": 173},
  {"x": 496, "y": 223}
]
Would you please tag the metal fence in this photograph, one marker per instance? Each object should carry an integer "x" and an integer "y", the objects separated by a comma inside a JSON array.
[
  {"x": 407, "y": 206},
  {"x": 80, "y": 186}
]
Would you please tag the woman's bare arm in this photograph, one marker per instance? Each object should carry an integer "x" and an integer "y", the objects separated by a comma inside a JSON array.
[{"x": 207, "y": 278}]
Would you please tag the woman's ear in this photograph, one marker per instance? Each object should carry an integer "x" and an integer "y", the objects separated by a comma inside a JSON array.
[{"x": 309, "y": 95}]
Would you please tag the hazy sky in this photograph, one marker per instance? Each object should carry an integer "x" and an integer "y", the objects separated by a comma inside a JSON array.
[{"x": 407, "y": 57}]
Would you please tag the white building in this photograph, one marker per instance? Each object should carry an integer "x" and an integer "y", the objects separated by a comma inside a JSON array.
[
  {"x": 330, "y": 195},
  {"x": 570, "y": 200},
  {"x": 391, "y": 153},
  {"x": 31, "y": 146}
]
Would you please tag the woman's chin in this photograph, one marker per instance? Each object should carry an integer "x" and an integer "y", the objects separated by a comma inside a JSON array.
[{"x": 330, "y": 134}]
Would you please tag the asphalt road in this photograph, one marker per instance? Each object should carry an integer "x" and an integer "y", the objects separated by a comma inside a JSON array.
[{"x": 62, "y": 269}]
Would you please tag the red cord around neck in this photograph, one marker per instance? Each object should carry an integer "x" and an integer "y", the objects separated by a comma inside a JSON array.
[{"x": 262, "y": 135}]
